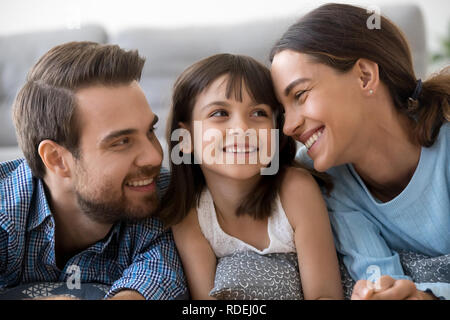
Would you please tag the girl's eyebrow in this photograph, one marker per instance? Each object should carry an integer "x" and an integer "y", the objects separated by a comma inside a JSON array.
[
  {"x": 226, "y": 104},
  {"x": 217, "y": 103}
]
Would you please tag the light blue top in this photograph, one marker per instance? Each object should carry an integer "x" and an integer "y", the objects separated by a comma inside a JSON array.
[{"x": 369, "y": 232}]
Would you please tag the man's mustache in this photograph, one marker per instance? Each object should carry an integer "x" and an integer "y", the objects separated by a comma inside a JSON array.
[{"x": 144, "y": 172}]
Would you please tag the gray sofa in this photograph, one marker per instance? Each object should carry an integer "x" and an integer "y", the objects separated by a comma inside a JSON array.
[{"x": 168, "y": 52}]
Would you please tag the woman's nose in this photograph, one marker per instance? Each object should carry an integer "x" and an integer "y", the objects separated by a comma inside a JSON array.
[{"x": 292, "y": 121}]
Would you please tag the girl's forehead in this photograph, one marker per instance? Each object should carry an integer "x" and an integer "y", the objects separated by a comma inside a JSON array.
[
  {"x": 235, "y": 88},
  {"x": 228, "y": 89}
]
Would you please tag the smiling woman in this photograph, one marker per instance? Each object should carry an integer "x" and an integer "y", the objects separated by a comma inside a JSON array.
[{"x": 351, "y": 97}]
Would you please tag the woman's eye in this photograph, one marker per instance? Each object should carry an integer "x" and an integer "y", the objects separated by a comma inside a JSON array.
[
  {"x": 219, "y": 113},
  {"x": 299, "y": 94}
]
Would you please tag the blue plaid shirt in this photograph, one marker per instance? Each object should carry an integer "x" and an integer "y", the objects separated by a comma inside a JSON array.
[{"x": 139, "y": 256}]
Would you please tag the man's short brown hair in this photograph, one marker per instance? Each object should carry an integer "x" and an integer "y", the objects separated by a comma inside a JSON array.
[{"x": 45, "y": 107}]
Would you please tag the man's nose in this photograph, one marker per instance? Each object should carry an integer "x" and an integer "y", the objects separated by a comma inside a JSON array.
[{"x": 151, "y": 154}]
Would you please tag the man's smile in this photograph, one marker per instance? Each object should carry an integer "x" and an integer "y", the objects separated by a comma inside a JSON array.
[{"x": 143, "y": 185}]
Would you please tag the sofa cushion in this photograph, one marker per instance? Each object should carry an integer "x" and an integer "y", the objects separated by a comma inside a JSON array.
[{"x": 249, "y": 276}]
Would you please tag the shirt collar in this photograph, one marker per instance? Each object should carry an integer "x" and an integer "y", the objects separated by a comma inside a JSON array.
[{"x": 39, "y": 208}]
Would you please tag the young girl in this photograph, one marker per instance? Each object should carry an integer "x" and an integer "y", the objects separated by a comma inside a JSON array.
[{"x": 216, "y": 209}]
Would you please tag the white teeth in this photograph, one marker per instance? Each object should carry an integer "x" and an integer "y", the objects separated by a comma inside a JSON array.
[
  {"x": 240, "y": 149},
  {"x": 313, "y": 139},
  {"x": 139, "y": 183}
]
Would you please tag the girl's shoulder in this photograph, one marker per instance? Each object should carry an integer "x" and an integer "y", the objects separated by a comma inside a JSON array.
[
  {"x": 188, "y": 224},
  {"x": 295, "y": 178},
  {"x": 300, "y": 196}
]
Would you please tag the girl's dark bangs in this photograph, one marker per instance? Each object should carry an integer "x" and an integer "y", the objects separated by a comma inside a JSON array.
[{"x": 259, "y": 90}]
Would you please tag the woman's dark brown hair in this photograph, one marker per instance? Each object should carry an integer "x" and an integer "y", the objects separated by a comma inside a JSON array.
[
  {"x": 337, "y": 35},
  {"x": 187, "y": 180}
]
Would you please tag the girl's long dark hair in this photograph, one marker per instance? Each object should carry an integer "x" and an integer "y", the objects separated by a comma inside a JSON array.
[
  {"x": 187, "y": 180},
  {"x": 337, "y": 35}
]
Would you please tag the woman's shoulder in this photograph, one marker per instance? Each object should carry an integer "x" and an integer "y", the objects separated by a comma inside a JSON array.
[
  {"x": 444, "y": 133},
  {"x": 440, "y": 149}
]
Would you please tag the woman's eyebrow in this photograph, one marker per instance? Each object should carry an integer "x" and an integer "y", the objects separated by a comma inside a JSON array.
[
  {"x": 154, "y": 121},
  {"x": 288, "y": 89}
]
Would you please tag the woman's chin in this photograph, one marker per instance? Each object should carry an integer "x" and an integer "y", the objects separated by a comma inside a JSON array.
[{"x": 321, "y": 165}]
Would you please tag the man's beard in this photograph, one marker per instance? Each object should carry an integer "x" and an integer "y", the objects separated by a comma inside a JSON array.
[
  {"x": 103, "y": 205},
  {"x": 110, "y": 211}
]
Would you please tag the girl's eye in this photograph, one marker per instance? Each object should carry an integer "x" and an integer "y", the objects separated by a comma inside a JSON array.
[
  {"x": 259, "y": 113},
  {"x": 219, "y": 113}
]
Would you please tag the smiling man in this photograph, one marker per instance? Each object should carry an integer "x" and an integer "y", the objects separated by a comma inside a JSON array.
[{"x": 85, "y": 193}]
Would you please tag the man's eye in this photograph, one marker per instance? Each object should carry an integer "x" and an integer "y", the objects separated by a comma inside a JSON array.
[
  {"x": 219, "y": 113},
  {"x": 121, "y": 142}
]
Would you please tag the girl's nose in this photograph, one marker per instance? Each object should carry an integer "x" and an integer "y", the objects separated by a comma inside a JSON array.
[{"x": 238, "y": 126}]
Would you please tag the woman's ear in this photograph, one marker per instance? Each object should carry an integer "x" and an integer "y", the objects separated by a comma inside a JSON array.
[
  {"x": 54, "y": 158},
  {"x": 368, "y": 75}
]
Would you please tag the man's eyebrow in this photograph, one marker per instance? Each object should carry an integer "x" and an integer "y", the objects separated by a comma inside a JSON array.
[
  {"x": 293, "y": 84},
  {"x": 116, "y": 134}
]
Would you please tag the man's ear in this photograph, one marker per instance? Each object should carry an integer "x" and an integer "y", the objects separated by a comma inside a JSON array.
[
  {"x": 368, "y": 75},
  {"x": 54, "y": 158}
]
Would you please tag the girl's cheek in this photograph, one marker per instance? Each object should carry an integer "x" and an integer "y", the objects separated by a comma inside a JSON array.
[{"x": 208, "y": 145}]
